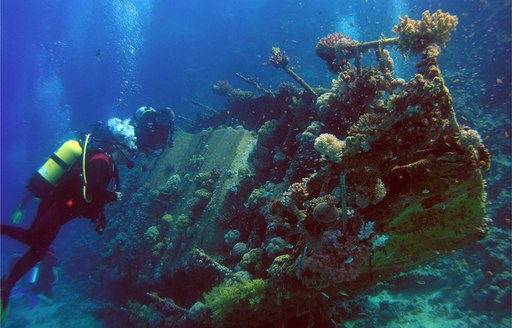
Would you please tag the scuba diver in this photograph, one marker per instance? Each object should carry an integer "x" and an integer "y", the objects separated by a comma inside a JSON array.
[
  {"x": 154, "y": 129},
  {"x": 37, "y": 284},
  {"x": 74, "y": 182}
]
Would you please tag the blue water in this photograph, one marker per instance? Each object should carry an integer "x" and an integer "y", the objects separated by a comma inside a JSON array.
[{"x": 68, "y": 63}]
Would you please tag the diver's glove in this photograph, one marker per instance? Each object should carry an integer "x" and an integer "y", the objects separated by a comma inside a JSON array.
[{"x": 113, "y": 196}]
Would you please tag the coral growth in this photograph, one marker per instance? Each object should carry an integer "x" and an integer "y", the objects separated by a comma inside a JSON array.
[
  {"x": 222, "y": 88},
  {"x": 151, "y": 234},
  {"x": 234, "y": 297},
  {"x": 296, "y": 194},
  {"x": 278, "y": 58},
  {"x": 252, "y": 261},
  {"x": 326, "y": 47},
  {"x": 182, "y": 222},
  {"x": 275, "y": 269},
  {"x": 329, "y": 146},
  {"x": 231, "y": 237},
  {"x": 340, "y": 259},
  {"x": 325, "y": 213},
  {"x": 325, "y": 104},
  {"x": 275, "y": 247},
  {"x": 336, "y": 49},
  {"x": 416, "y": 36},
  {"x": 167, "y": 218}
]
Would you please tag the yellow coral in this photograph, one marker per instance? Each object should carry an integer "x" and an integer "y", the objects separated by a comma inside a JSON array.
[
  {"x": 231, "y": 298},
  {"x": 167, "y": 217},
  {"x": 278, "y": 264},
  {"x": 329, "y": 146},
  {"x": 182, "y": 222},
  {"x": 386, "y": 62},
  {"x": 416, "y": 36},
  {"x": 152, "y": 234}
]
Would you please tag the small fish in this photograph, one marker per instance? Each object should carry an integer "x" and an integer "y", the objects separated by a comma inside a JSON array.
[
  {"x": 334, "y": 322},
  {"x": 325, "y": 295},
  {"x": 348, "y": 261},
  {"x": 425, "y": 191},
  {"x": 289, "y": 246},
  {"x": 342, "y": 293},
  {"x": 421, "y": 282}
]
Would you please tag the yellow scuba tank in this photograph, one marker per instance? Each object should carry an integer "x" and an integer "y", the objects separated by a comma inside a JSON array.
[{"x": 48, "y": 175}]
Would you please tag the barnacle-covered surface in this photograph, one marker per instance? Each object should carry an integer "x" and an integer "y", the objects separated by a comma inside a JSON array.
[{"x": 305, "y": 202}]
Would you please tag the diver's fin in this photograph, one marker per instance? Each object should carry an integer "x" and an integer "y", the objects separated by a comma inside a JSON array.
[
  {"x": 4, "y": 303},
  {"x": 5, "y": 311},
  {"x": 17, "y": 216},
  {"x": 19, "y": 213}
]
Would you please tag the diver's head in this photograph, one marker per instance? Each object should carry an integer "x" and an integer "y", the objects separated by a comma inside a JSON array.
[
  {"x": 139, "y": 112},
  {"x": 168, "y": 111},
  {"x": 120, "y": 142},
  {"x": 164, "y": 116}
]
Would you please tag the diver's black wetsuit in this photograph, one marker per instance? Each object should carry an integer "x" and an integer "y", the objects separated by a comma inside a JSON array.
[
  {"x": 154, "y": 130},
  {"x": 65, "y": 203}
]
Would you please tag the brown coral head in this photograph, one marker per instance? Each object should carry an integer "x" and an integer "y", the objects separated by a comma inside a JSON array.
[
  {"x": 298, "y": 192},
  {"x": 325, "y": 48},
  {"x": 288, "y": 89},
  {"x": 346, "y": 50},
  {"x": 325, "y": 213},
  {"x": 336, "y": 47}
]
